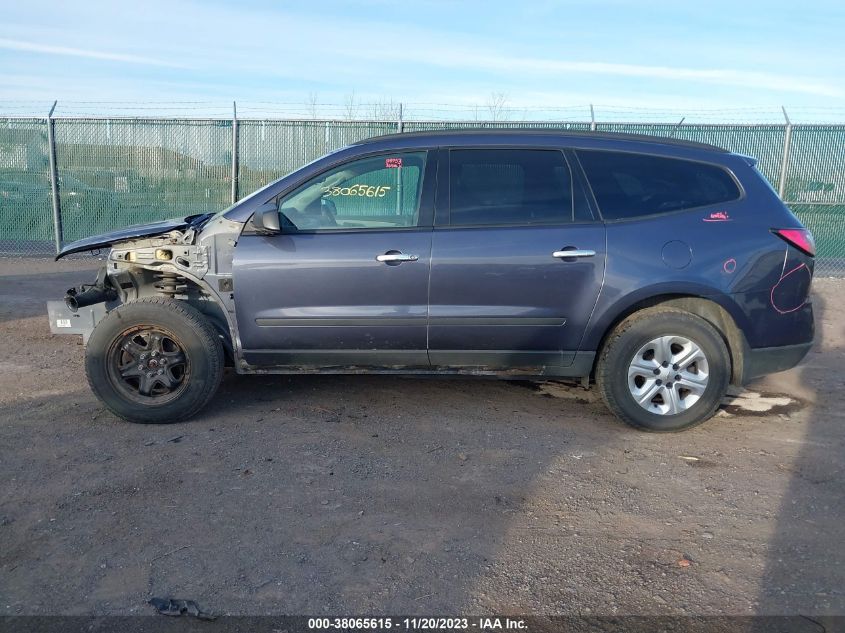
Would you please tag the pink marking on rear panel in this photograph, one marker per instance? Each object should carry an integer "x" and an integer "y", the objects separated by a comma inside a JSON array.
[{"x": 780, "y": 309}]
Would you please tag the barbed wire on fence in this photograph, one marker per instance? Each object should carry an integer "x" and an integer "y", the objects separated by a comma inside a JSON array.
[{"x": 497, "y": 108}]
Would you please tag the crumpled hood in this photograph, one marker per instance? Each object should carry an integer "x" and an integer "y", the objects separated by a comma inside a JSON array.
[{"x": 130, "y": 233}]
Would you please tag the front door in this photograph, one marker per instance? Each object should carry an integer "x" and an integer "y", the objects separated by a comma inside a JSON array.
[
  {"x": 346, "y": 282},
  {"x": 517, "y": 261}
]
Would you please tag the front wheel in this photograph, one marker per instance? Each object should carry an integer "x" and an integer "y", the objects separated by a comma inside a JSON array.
[
  {"x": 154, "y": 361},
  {"x": 663, "y": 370}
]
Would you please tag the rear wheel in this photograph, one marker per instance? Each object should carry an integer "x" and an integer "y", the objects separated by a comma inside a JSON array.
[
  {"x": 154, "y": 361},
  {"x": 663, "y": 370}
]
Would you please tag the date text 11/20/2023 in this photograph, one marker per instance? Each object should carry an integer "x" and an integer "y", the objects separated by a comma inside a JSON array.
[{"x": 419, "y": 624}]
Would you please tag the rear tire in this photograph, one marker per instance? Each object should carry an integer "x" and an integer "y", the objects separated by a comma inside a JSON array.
[
  {"x": 663, "y": 370},
  {"x": 154, "y": 361}
]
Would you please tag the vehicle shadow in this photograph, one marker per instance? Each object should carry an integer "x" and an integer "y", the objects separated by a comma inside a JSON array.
[
  {"x": 404, "y": 490},
  {"x": 805, "y": 566}
]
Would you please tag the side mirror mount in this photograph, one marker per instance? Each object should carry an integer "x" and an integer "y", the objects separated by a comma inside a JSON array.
[{"x": 266, "y": 218}]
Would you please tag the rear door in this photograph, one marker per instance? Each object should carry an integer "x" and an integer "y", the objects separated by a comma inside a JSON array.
[
  {"x": 517, "y": 260},
  {"x": 346, "y": 282}
]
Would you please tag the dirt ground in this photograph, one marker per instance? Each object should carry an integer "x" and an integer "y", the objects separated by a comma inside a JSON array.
[{"x": 369, "y": 495}]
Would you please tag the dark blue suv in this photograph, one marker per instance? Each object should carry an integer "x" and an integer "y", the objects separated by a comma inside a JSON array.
[{"x": 664, "y": 270}]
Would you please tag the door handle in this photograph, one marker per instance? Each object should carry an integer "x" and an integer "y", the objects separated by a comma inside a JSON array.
[
  {"x": 573, "y": 253},
  {"x": 389, "y": 258}
]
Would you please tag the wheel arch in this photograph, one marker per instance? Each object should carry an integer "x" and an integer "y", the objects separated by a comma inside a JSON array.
[
  {"x": 719, "y": 311},
  {"x": 198, "y": 293},
  {"x": 215, "y": 311}
]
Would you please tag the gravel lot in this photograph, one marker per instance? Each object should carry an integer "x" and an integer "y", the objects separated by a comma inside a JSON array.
[{"x": 345, "y": 495}]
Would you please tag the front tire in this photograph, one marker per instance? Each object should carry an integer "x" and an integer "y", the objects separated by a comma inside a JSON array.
[
  {"x": 154, "y": 361},
  {"x": 663, "y": 370}
]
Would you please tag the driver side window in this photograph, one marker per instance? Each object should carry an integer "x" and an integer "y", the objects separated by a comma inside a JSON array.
[{"x": 377, "y": 192}]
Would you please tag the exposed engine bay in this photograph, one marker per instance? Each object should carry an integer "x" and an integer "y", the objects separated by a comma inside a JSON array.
[{"x": 192, "y": 263}]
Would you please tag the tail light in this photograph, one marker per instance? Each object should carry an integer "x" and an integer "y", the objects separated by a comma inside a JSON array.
[{"x": 801, "y": 239}]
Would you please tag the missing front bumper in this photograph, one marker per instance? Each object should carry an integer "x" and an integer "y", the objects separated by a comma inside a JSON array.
[{"x": 64, "y": 321}]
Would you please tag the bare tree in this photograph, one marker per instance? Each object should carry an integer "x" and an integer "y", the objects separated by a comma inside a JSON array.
[
  {"x": 496, "y": 106},
  {"x": 350, "y": 104},
  {"x": 386, "y": 110},
  {"x": 311, "y": 105}
]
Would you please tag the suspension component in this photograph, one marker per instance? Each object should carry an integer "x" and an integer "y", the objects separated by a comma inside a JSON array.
[{"x": 170, "y": 284}]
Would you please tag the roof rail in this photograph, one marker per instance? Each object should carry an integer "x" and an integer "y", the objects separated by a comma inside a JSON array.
[{"x": 619, "y": 136}]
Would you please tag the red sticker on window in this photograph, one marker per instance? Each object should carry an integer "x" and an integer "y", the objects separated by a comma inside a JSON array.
[{"x": 392, "y": 162}]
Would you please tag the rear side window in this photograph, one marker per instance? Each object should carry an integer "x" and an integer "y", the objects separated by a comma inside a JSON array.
[
  {"x": 509, "y": 186},
  {"x": 633, "y": 185}
]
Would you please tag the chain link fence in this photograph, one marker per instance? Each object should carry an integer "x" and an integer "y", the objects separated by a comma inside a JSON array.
[
  {"x": 122, "y": 172},
  {"x": 116, "y": 172},
  {"x": 26, "y": 215}
]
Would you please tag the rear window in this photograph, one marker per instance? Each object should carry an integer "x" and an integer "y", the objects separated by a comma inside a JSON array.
[
  {"x": 633, "y": 185},
  {"x": 509, "y": 186}
]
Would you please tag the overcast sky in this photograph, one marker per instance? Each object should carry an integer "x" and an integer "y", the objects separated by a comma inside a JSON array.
[{"x": 673, "y": 54}]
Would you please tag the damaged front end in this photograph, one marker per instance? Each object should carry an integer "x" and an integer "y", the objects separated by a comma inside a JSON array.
[
  {"x": 83, "y": 307},
  {"x": 188, "y": 260}
]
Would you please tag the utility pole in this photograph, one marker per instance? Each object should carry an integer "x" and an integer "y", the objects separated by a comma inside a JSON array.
[
  {"x": 784, "y": 165},
  {"x": 234, "y": 152}
]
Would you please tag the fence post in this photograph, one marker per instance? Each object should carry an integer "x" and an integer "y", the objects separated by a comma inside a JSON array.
[
  {"x": 400, "y": 125},
  {"x": 54, "y": 180},
  {"x": 592, "y": 118},
  {"x": 784, "y": 166},
  {"x": 234, "y": 152},
  {"x": 677, "y": 127}
]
